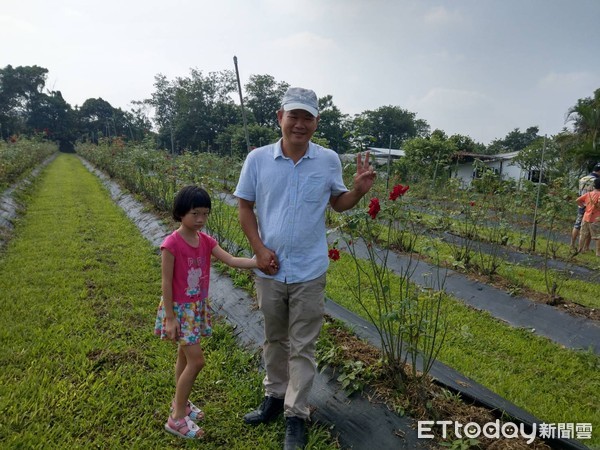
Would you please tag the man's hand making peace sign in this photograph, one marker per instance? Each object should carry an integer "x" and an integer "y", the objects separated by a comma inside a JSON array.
[{"x": 363, "y": 182}]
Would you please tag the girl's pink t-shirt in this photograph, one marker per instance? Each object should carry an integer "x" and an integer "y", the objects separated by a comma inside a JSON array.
[
  {"x": 191, "y": 271},
  {"x": 592, "y": 206}
]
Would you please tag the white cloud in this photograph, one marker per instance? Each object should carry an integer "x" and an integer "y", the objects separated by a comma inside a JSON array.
[
  {"x": 442, "y": 16},
  {"x": 72, "y": 13},
  {"x": 11, "y": 24},
  {"x": 458, "y": 111},
  {"x": 475, "y": 68},
  {"x": 555, "y": 80},
  {"x": 305, "y": 10},
  {"x": 451, "y": 99},
  {"x": 305, "y": 41}
]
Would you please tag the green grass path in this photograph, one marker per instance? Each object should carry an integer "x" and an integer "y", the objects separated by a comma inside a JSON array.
[{"x": 80, "y": 365}]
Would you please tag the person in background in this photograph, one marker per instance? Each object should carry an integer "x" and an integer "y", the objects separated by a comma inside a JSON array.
[
  {"x": 290, "y": 183},
  {"x": 590, "y": 228},
  {"x": 183, "y": 313},
  {"x": 585, "y": 185}
]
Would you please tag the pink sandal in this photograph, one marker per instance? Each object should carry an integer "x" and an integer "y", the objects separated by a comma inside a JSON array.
[
  {"x": 195, "y": 413},
  {"x": 192, "y": 411},
  {"x": 184, "y": 428}
]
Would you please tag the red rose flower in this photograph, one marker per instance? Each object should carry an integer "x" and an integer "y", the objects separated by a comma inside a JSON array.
[
  {"x": 374, "y": 207},
  {"x": 398, "y": 191},
  {"x": 334, "y": 254}
]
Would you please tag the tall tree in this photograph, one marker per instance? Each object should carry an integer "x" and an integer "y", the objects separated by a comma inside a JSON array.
[
  {"x": 429, "y": 157},
  {"x": 388, "y": 121},
  {"x": 232, "y": 141},
  {"x": 540, "y": 157},
  {"x": 96, "y": 118},
  {"x": 139, "y": 120},
  {"x": 264, "y": 96},
  {"x": 467, "y": 144},
  {"x": 191, "y": 111},
  {"x": 333, "y": 125},
  {"x": 54, "y": 117},
  {"x": 514, "y": 141},
  {"x": 164, "y": 101},
  {"x": 19, "y": 88}
]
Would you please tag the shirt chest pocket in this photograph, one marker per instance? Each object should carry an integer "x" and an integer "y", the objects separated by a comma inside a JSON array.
[{"x": 313, "y": 188}]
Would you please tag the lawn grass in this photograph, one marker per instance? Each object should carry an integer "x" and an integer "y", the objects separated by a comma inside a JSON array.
[
  {"x": 80, "y": 365},
  {"x": 555, "y": 384}
]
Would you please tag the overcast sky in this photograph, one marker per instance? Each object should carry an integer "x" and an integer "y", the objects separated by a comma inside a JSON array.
[{"x": 475, "y": 67}]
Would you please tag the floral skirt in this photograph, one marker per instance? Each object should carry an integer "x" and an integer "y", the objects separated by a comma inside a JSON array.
[{"x": 194, "y": 321}]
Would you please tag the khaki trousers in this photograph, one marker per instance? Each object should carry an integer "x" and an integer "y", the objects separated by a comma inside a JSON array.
[{"x": 293, "y": 319}]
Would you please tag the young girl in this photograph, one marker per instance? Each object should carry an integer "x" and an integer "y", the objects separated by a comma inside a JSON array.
[{"x": 183, "y": 314}]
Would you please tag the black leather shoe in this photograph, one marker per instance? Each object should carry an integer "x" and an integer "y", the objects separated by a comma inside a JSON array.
[
  {"x": 295, "y": 433},
  {"x": 268, "y": 410}
]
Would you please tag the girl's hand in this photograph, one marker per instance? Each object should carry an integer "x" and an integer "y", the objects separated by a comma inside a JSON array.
[{"x": 172, "y": 328}]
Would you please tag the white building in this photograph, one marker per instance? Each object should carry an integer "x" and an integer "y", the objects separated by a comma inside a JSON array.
[
  {"x": 464, "y": 164},
  {"x": 502, "y": 164},
  {"x": 379, "y": 156},
  {"x": 382, "y": 155}
]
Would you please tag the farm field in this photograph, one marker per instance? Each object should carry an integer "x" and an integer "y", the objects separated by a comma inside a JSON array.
[
  {"x": 517, "y": 390},
  {"x": 80, "y": 365},
  {"x": 572, "y": 377}
]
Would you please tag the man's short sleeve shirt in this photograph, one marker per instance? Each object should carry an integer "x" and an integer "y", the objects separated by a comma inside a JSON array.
[{"x": 290, "y": 201}]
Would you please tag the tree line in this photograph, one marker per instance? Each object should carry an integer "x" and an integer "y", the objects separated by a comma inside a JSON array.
[{"x": 198, "y": 113}]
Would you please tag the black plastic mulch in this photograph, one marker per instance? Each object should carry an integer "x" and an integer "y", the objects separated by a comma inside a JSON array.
[
  {"x": 567, "y": 268},
  {"x": 8, "y": 204}
]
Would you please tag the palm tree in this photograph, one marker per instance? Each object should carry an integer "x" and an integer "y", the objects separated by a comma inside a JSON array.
[{"x": 585, "y": 116}]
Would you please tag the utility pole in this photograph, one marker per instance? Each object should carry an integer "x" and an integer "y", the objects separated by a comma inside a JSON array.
[
  {"x": 172, "y": 142},
  {"x": 537, "y": 200},
  {"x": 237, "y": 74},
  {"x": 387, "y": 183}
]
